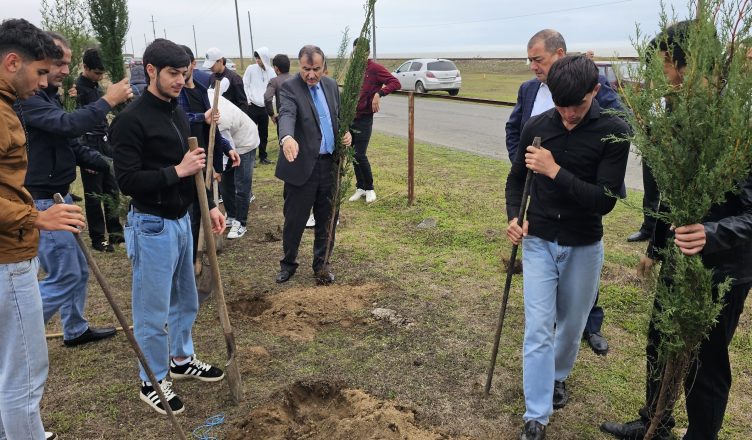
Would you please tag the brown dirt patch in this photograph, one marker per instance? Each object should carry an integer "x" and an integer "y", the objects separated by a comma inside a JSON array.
[
  {"x": 300, "y": 313},
  {"x": 324, "y": 410}
]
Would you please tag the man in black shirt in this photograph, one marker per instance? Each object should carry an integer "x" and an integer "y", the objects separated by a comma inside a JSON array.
[
  {"x": 155, "y": 167},
  {"x": 216, "y": 62},
  {"x": 576, "y": 167},
  {"x": 100, "y": 188}
]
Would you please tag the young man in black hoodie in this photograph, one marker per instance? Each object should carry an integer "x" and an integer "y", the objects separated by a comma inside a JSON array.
[{"x": 154, "y": 166}]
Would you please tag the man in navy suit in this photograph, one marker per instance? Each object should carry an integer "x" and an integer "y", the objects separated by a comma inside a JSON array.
[
  {"x": 309, "y": 107},
  {"x": 534, "y": 98}
]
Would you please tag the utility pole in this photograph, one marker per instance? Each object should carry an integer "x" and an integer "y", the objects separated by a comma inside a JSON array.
[
  {"x": 240, "y": 42},
  {"x": 145, "y": 42},
  {"x": 165, "y": 33},
  {"x": 133, "y": 48},
  {"x": 373, "y": 31},
  {"x": 153, "y": 29},
  {"x": 250, "y": 29},
  {"x": 195, "y": 46}
]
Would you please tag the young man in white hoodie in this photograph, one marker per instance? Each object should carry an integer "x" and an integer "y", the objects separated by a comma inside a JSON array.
[
  {"x": 236, "y": 183},
  {"x": 255, "y": 80}
]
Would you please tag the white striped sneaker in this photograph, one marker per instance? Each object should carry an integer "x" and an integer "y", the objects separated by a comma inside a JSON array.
[
  {"x": 149, "y": 395},
  {"x": 195, "y": 369}
]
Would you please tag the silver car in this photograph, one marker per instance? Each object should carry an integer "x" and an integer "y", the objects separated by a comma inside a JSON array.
[{"x": 427, "y": 74}]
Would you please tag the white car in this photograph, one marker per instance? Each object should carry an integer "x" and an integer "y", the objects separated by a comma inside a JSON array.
[{"x": 426, "y": 74}]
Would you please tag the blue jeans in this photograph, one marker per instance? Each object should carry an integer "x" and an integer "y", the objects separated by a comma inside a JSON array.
[
  {"x": 164, "y": 288},
  {"x": 560, "y": 284},
  {"x": 65, "y": 286},
  {"x": 236, "y": 187},
  {"x": 23, "y": 352}
]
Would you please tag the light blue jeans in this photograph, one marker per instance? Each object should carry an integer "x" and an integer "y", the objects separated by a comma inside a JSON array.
[
  {"x": 560, "y": 284},
  {"x": 64, "y": 287},
  {"x": 164, "y": 288},
  {"x": 23, "y": 352}
]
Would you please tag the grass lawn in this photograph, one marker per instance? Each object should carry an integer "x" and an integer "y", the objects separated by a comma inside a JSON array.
[{"x": 420, "y": 377}]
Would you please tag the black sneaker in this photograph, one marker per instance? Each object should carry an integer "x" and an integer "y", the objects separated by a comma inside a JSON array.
[
  {"x": 561, "y": 397},
  {"x": 150, "y": 396},
  {"x": 102, "y": 246},
  {"x": 50, "y": 436},
  {"x": 195, "y": 369}
]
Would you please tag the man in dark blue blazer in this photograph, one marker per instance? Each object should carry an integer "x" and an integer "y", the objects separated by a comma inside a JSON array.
[
  {"x": 533, "y": 98},
  {"x": 309, "y": 108}
]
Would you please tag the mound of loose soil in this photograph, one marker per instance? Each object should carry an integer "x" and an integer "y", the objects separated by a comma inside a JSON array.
[
  {"x": 300, "y": 313},
  {"x": 328, "y": 411}
]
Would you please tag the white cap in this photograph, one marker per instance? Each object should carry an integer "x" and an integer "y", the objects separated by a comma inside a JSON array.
[{"x": 212, "y": 55}]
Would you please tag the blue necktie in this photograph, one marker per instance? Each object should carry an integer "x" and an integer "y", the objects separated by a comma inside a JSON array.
[{"x": 325, "y": 121}]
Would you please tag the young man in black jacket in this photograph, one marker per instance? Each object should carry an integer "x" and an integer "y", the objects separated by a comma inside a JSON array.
[
  {"x": 100, "y": 187},
  {"x": 154, "y": 166},
  {"x": 54, "y": 151},
  {"x": 575, "y": 169}
]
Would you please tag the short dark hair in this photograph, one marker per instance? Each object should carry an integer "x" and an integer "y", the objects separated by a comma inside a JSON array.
[
  {"x": 365, "y": 40},
  {"x": 189, "y": 52},
  {"x": 673, "y": 40},
  {"x": 59, "y": 37},
  {"x": 571, "y": 78},
  {"x": 309, "y": 50},
  {"x": 163, "y": 53},
  {"x": 30, "y": 42},
  {"x": 92, "y": 59},
  {"x": 256, "y": 55},
  {"x": 281, "y": 62},
  {"x": 552, "y": 40}
]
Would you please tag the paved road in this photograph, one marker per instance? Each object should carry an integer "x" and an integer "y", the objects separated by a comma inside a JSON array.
[{"x": 475, "y": 128}]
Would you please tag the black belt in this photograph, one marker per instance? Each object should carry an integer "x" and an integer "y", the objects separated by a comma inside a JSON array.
[
  {"x": 45, "y": 195},
  {"x": 325, "y": 156}
]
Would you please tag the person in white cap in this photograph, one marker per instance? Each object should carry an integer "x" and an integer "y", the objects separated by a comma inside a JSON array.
[
  {"x": 216, "y": 62},
  {"x": 256, "y": 78}
]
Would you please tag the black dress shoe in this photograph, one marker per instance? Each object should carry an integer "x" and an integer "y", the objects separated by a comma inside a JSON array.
[
  {"x": 533, "y": 431},
  {"x": 638, "y": 236},
  {"x": 597, "y": 342},
  {"x": 561, "y": 397},
  {"x": 284, "y": 275},
  {"x": 266, "y": 161},
  {"x": 634, "y": 430},
  {"x": 324, "y": 278},
  {"x": 90, "y": 335}
]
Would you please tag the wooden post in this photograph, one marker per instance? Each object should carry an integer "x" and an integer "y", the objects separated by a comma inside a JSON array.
[{"x": 410, "y": 148}]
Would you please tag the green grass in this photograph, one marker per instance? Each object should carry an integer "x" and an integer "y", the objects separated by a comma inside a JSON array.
[{"x": 447, "y": 280}]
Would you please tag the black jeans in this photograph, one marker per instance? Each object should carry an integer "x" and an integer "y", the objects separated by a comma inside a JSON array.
[
  {"x": 101, "y": 189},
  {"x": 650, "y": 199},
  {"x": 261, "y": 119},
  {"x": 316, "y": 193},
  {"x": 709, "y": 378},
  {"x": 361, "y": 134}
]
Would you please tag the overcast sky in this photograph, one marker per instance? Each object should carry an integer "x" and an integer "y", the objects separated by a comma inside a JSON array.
[{"x": 403, "y": 27}]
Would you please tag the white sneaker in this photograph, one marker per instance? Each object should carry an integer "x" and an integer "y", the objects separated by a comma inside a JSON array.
[
  {"x": 358, "y": 194},
  {"x": 234, "y": 225},
  {"x": 252, "y": 198},
  {"x": 49, "y": 436},
  {"x": 236, "y": 232},
  {"x": 370, "y": 196},
  {"x": 311, "y": 222}
]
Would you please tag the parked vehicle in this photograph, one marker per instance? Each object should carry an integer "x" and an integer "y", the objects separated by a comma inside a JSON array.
[
  {"x": 617, "y": 73},
  {"x": 230, "y": 64},
  {"x": 426, "y": 74}
]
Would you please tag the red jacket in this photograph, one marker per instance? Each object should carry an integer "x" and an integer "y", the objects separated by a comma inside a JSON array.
[{"x": 377, "y": 80}]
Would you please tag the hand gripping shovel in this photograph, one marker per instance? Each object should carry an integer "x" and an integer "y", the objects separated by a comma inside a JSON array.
[
  {"x": 510, "y": 272},
  {"x": 231, "y": 367},
  {"x": 124, "y": 324}
]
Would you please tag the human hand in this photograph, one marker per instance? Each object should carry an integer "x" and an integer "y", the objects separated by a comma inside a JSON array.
[
  {"x": 217, "y": 220},
  {"x": 347, "y": 139},
  {"x": 515, "y": 232},
  {"x": 234, "y": 157},
  {"x": 118, "y": 93},
  {"x": 376, "y": 103},
  {"x": 645, "y": 266},
  {"x": 208, "y": 116},
  {"x": 690, "y": 238},
  {"x": 290, "y": 149},
  {"x": 61, "y": 217},
  {"x": 193, "y": 162},
  {"x": 541, "y": 161},
  {"x": 73, "y": 91}
]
